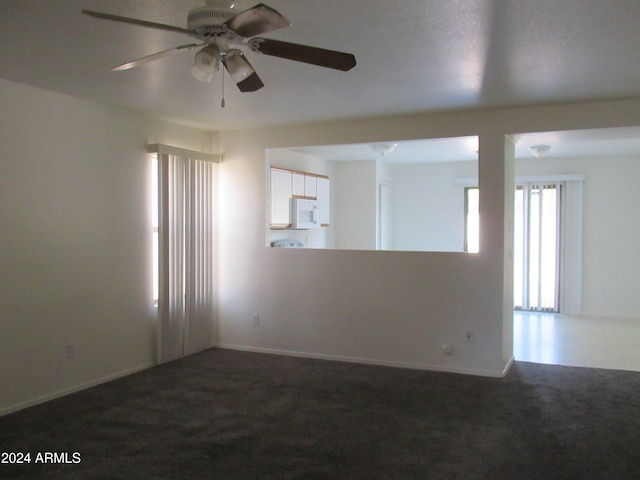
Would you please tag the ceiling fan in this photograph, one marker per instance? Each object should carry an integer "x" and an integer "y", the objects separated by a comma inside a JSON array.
[{"x": 221, "y": 34}]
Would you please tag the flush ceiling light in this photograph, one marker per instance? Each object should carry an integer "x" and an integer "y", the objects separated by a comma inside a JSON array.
[
  {"x": 206, "y": 63},
  {"x": 539, "y": 150},
  {"x": 383, "y": 148}
]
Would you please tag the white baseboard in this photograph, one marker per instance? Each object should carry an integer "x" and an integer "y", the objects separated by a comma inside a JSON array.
[
  {"x": 508, "y": 366},
  {"x": 338, "y": 358},
  {"x": 367, "y": 361},
  {"x": 76, "y": 388}
]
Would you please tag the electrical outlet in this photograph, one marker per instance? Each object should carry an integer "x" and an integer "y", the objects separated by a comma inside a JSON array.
[
  {"x": 256, "y": 319},
  {"x": 70, "y": 351}
]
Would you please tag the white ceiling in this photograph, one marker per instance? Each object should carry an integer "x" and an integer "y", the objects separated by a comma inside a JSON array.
[
  {"x": 415, "y": 151},
  {"x": 413, "y": 56},
  {"x": 571, "y": 143}
]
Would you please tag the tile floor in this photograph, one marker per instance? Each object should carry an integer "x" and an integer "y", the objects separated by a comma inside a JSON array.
[{"x": 577, "y": 341}]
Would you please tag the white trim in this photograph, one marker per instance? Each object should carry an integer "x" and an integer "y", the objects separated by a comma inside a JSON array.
[
  {"x": 508, "y": 366},
  {"x": 473, "y": 181},
  {"x": 368, "y": 361},
  {"x": 76, "y": 388},
  {"x": 162, "y": 149},
  {"x": 576, "y": 177}
]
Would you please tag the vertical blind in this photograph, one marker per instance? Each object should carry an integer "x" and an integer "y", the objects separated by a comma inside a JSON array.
[
  {"x": 537, "y": 246},
  {"x": 186, "y": 293},
  {"x": 568, "y": 206}
]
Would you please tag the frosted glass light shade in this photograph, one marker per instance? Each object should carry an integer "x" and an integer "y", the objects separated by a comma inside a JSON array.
[
  {"x": 237, "y": 65},
  {"x": 206, "y": 63}
]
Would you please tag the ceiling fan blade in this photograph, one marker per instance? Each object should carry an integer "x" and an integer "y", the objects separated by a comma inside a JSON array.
[
  {"x": 256, "y": 21},
  {"x": 250, "y": 84},
  {"x": 241, "y": 71},
  {"x": 303, "y": 53},
  {"x": 152, "y": 57},
  {"x": 134, "y": 21}
]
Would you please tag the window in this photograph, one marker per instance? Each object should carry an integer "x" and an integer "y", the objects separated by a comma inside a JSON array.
[
  {"x": 472, "y": 219},
  {"x": 183, "y": 248},
  {"x": 155, "y": 225}
]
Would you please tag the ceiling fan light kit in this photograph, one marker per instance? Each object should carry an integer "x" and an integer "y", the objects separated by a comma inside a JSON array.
[
  {"x": 206, "y": 63},
  {"x": 237, "y": 66},
  {"x": 222, "y": 34}
]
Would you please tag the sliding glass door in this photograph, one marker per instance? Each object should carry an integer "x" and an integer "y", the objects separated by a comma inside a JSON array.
[
  {"x": 536, "y": 243},
  {"x": 537, "y": 246}
]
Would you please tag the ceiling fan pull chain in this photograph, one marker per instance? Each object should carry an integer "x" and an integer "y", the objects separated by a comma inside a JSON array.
[{"x": 223, "y": 103}]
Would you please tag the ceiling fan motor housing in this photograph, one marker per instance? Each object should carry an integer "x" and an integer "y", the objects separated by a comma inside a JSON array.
[{"x": 207, "y": 21}]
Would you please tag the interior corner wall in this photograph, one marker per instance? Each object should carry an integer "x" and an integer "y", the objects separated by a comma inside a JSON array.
[{"x": 75, "y": 256}]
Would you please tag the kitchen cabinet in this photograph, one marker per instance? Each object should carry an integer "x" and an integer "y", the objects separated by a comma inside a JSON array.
[
  {"x": 298, "y": 184},
  {"x": 310, "y": 186},
  {"x": 280, "y": 198},
  {"x": 287, "y": 184},
  {"x": 304, "y": 185}
]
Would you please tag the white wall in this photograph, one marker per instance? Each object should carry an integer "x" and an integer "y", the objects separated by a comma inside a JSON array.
[
  {"x": 74, "y": 241},
  {"x": 383, "y": 307},
  {"x": 611, "y": 257},
  {"x": 75, "y": 259},
  {"x": 355, "y": 198},
  {"x": 429, "y": 206}
]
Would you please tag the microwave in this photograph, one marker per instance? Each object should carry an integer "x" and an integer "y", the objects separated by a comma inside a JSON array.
[{"x": 305, "y": 213}]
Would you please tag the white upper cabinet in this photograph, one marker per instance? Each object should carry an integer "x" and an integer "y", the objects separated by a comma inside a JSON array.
[
  {"x": 280, "y": 198},
  {"x": 310, "y": 186},
  {"x": 286, "y": 184},
  {"x": 298, "y": 179}
]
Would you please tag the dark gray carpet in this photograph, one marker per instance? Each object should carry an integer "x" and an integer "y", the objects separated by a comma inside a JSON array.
[{"x": 233, "y": 415}]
